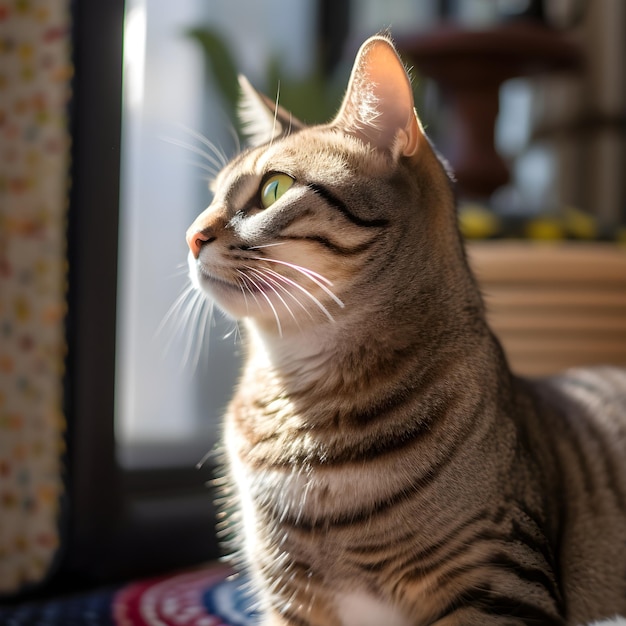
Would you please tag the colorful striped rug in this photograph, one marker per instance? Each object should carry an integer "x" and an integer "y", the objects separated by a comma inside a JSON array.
[{"x": 208, "y": 596}]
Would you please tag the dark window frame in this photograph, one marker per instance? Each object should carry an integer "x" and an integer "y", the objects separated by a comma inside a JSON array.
[{"x": 117, "y": 523}]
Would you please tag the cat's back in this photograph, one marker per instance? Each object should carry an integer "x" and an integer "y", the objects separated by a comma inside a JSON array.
[
  {"x": 581, "y": 415},
  {"x": 581, "y": 427},
  {"x": 592, "y": 402}
]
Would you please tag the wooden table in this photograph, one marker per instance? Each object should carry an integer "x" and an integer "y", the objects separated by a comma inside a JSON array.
[{"x": 554, "y": 305}]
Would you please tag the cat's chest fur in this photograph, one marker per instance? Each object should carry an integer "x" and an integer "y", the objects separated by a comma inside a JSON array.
[{"x": 361, "y": 609}]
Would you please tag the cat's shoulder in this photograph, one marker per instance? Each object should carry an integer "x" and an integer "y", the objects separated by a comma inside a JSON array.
[
  {"x": 598, "y": 392},
  {"x": 599, "y": 383}
]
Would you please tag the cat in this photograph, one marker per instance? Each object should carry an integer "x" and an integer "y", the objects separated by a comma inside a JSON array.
[{"x": 386, "y": 467}]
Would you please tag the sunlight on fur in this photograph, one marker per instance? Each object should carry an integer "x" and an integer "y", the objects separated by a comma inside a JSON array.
[{"x": 383, "y": 464}]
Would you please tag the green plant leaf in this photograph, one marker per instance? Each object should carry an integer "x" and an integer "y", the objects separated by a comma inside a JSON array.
[{"x": 220, "y": 64}]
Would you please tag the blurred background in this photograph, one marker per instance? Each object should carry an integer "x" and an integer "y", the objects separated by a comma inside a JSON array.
[{"x": 525, "y": 98}]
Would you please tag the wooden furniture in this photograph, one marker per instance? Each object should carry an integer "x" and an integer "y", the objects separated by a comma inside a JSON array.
[
  {"x": 554, "y": 305},
  {"x": 470, "y": 66}
]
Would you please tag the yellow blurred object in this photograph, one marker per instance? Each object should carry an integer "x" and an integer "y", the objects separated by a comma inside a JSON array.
[
  {"x": 545, "y": 229},
  {"x": 579, "y": 224},
  {"x": 478, "y": 222}
]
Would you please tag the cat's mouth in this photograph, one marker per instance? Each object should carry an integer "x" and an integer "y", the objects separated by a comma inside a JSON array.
[
  {"x": 212, "y": 282},
  {"x": 205, "y": 280},
  {"x": 217, "y": 285},
  {"x": 258, "y": 290}
]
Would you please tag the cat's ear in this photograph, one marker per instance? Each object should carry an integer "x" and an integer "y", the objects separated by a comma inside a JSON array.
[
  {"x": 378, "y": 107},
  {"x": 261, "y": 118}
]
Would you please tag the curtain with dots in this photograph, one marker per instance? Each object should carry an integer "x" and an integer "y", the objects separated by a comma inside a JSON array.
[{"x": 35, "y": 73}]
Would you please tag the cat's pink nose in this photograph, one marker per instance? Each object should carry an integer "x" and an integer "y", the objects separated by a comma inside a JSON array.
[{"x": 196, "y": 239}]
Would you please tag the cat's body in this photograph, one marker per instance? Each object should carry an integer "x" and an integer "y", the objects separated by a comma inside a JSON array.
[{"x": 389, "y": 469}]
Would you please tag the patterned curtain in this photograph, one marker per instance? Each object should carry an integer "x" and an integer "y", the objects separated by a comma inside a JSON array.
[{"x": 35, "y": 74}]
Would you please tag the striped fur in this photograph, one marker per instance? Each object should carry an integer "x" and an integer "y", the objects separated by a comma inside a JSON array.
[{"x": 386, "y": 468}]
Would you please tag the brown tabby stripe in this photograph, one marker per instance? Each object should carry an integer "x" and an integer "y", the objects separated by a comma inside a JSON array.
[
  {"x": 431, "y": 551},
  {"x": 501, "y": 559},
  {"x": 539, "y": 545},
  {"x": 531, "y": 574},
  {"x": 340, "y": 206},
  {"x": 492, "y": 603},
  {"x": 394, "y": 441},
  {"x": 384, "y": 506},
  {"x": 330, "y": 245},
  {"x": 412, "y": 570},
  {"x": 383, "y": 547},
  {"x": 416, "y": 568}
]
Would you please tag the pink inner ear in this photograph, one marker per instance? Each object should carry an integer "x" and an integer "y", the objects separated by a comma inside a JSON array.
[{"x": 378, "y": 107}]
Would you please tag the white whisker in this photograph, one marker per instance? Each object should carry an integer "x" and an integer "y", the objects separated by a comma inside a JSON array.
[
  {"x": 180, "y": 270},
  {"x": 267, "y": 245},
  {"x": 188, "y": 318},
  {"x": 244, "y": 287},
  {"x": 205, "y": 320},
  {"x": 174, "y": 308},
  {"x": 276, "y": 279},
  {"x": 218, "y": 151},
  {"x": 245, "y": 279},
  {"x": 191, "y": 322},
  {"x": 298, "y": 268},
  {"x": 272, "y": 284},
  {"x": 307, "y": 293},
  {"x": 275, "y": 114},
  {"x": 267, "y": 299},
  {"x": 235, "y": 332},
  {"x": 210, "y": 158},
  {"x": 209, "y": 169},
  {"x": 318, "y": 279},
  {"x": 235, "y": 136}
]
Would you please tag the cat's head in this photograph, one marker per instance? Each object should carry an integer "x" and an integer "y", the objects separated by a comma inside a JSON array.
[{"x": 313, "y": 224}]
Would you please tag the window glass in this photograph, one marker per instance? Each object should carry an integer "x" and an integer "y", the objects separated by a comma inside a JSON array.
[{"x": 177, "y": 357}]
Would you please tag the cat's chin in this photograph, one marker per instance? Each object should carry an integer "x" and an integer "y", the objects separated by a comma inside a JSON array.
[
  {"x": 226, "y": 295},
  {"x": 229, "y": 297}
]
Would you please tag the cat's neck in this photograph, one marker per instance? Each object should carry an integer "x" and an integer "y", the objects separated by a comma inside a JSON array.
[
  {"x": 354, "y": 351},
  {"x": 299, "y": 355}
]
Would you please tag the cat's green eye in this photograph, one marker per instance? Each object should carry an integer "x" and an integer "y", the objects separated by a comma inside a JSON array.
[{"x": 273, "y": 188}]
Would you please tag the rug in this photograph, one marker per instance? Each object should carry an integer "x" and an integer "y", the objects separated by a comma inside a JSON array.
[{"x": 209, "y": 596}]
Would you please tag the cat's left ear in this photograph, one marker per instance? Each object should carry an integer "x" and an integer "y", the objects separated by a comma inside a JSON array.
[
  {"x": 262, "y": 119},
  {"x": 378, "y": 107}
]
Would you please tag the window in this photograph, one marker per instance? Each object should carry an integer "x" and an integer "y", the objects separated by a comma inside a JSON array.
[{"x": 177, "y": 357}]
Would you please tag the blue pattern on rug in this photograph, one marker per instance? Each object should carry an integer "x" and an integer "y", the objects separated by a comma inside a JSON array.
[{"x": 232, "y": 600}]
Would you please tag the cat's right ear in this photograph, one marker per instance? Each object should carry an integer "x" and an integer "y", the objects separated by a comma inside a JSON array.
[
  {"x": 378, "y": 106},
  {"x": 263, "y": 120}
]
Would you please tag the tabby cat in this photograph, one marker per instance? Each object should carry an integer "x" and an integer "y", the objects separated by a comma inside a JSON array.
[{"x": 388, "y": 468}]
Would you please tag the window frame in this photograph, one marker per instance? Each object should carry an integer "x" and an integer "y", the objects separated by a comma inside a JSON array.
[{"x": 117, "y": 523}]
